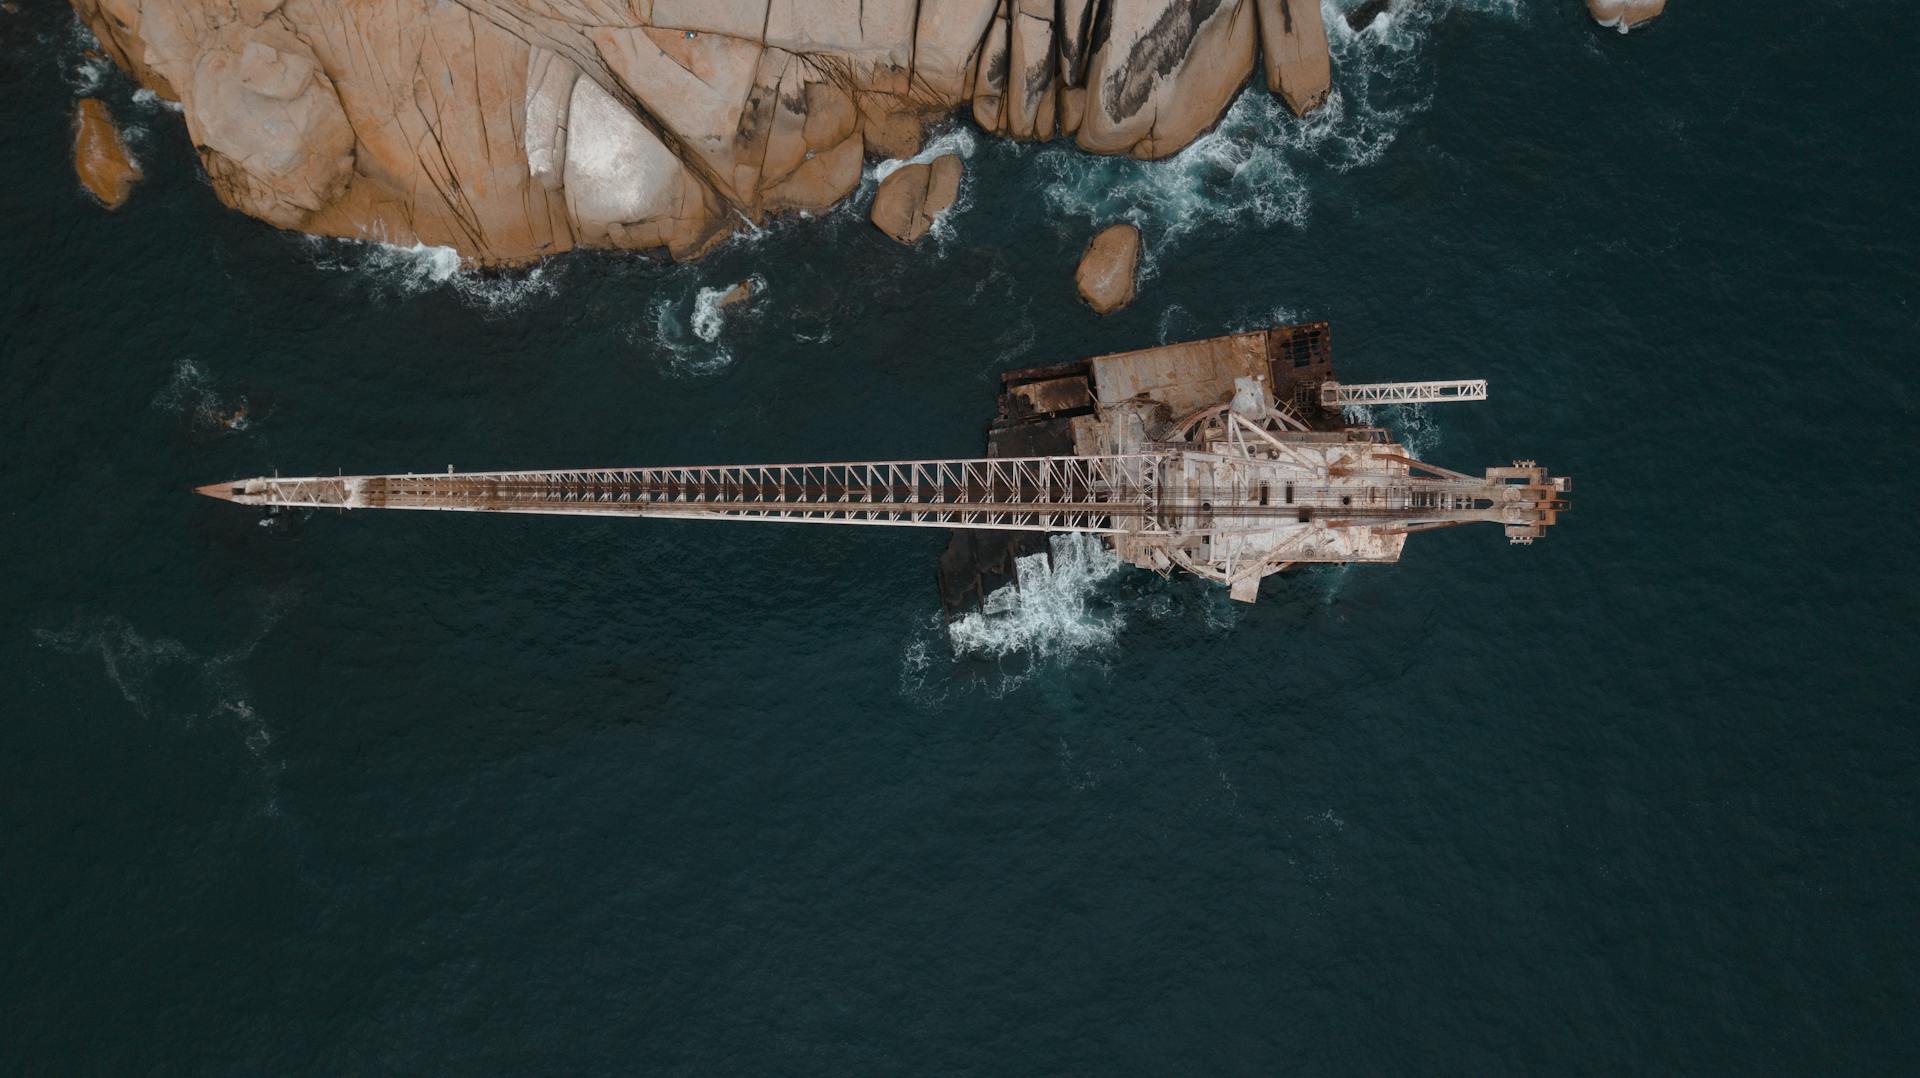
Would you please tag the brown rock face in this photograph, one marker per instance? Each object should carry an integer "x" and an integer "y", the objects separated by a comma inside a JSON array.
[
  {"x": 515, "y": 129},
  {"x": 1106, "y": 274},
  {"x": 1624, "y": 15},
  {"x": 913, "y": 195},
  {"x": 100, "y": 158}
]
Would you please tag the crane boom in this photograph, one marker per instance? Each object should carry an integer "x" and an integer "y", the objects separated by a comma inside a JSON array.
[{"x": 1335, "y": 395}]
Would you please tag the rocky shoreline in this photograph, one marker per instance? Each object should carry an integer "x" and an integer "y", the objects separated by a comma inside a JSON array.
[{"x": 510, "y": 130}]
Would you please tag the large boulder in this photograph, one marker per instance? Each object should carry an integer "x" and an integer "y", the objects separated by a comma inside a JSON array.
[
  {"x": 100, "y": 158},
  {"x": 1107, "y": 271},
  {"x": 1293, "y": 43},
  {"x": 1032, "y": 70},
  {"x": 913, "y": 195},
  {"x": 1165, "y": 73},
  {"x": 1624, "y": 15},
  {"x": 945, "y": 40}
]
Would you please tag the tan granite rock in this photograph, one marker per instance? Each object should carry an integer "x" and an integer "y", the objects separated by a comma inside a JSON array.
[
  {"x": 1293, "y": 45},
  {"x": 1106, "y": 273},
  {"x": 1032, "y": 70},
  {"x": 913, "y": 195},
  {"x": 1625, "y": 15},
  {"x": 100, "y": 157},
  {"x": 990, "y": 75},
  {"x": 1165, "y": 73},
  {"x": 945, "y": 41}
]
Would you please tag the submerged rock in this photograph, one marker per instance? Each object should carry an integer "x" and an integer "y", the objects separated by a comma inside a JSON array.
[
  {"x": 1106, "y": 274},
  {"x": 514, "y": 129},
  {"x": 100, "y": 157},
  {"x": 913, "y": 195},
  {"x": 1625, "y": 15}
]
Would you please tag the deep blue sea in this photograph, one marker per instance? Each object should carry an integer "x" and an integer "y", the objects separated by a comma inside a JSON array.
[{"x": 448, "y": 794}]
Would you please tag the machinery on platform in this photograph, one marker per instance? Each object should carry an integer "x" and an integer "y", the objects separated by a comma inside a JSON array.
[{"x": 1229, "y": 458}]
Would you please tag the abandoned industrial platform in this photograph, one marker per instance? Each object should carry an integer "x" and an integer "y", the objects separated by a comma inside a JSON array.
[{"x": 1231, "y": 458}]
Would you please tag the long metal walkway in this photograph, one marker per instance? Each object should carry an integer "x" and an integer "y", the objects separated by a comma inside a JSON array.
[{"x": 1086, "y": 494}]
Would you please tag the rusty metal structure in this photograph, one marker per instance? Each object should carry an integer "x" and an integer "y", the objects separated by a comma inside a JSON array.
[{"x": 1184, "y": 457}]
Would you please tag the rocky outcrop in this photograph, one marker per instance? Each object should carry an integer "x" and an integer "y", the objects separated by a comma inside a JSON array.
[
  {"x": 514, "y": 129},
  {"x": 740, "y": 293},
  {"x": 913, "y": 195},
  {"x": 1106, "y": 274},
  {"x": 100, "y": 158},
  {"x": 1625, "y": 15}
]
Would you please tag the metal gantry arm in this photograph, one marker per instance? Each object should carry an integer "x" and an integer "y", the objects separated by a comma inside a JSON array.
[
  {"x": 1087, "y": 494},
  {"x": 1336, "y": 395},
  {"x": 1166, "y": 495}
]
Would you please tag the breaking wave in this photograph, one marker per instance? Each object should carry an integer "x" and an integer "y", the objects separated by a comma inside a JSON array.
[
  {"x": 86, "y": 68},
  {"x": 398, "y": 272},
  {"x": 956, "y": 140},
  {"x": 687, "y": 332},
  {"x": 1068, "y": 610},
  {"x": 708, "y": 313},
  {"x": 959, "y": 139},
  {"x": 1051, "y": 611}
]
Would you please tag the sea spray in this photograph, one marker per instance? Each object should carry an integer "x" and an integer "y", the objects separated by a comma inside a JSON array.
[
  {"x": 192, "y": 394},
  {"x": 1257, "y": 166},
  {"x": 1050, "y": 611},
  {"x": 709, "y": 314},
  {"x": 401, "y": 271}
]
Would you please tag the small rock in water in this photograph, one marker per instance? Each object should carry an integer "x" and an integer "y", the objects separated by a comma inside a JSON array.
[
  {"x": 100, "y": 157},
  {"x": 739, "y": 293},
  {"x": 913, "y": 195},
  {"x": 1624, "y": 15},
  {"x": 1106, "y": 273}
]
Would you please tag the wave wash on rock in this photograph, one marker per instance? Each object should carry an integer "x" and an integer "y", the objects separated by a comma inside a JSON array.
[{"x": 514, "y": 129}]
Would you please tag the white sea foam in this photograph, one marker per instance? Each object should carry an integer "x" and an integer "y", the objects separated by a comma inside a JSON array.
[
  {"x": 1051, "y": 611},
  {"x": 192, "y": 394},
  {"x": 708, "y": 315},
  {"x": 677, "y": 341},
  {"x": 1254, "y": 168},
  {"x": 959, "y": 139},
  {"x": 402, "y": 271},
  {"x": 139, "y": 666},
  {"x": 147, "y": 99},
  {"x": 87, "y": 67}
]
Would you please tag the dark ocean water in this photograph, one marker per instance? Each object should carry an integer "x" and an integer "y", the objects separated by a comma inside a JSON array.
[{"x": 411, "y": 794}]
